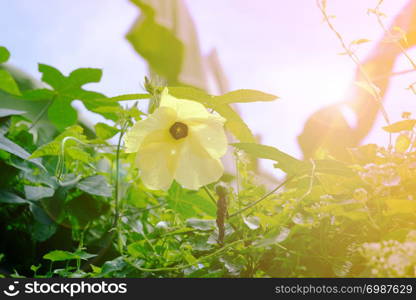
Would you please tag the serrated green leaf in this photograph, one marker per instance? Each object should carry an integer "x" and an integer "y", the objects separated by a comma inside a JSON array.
[
  {"x": 4, "y": 55},
  {"x": 7, "y": 83},
  {"x": 105, "y": 131}
]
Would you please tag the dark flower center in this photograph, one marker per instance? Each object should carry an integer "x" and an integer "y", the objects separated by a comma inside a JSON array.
[{"x": 178, "y": 130}]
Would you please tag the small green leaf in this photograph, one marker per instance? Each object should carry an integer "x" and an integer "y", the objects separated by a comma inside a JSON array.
[
  {"x": 244, "y": 96},
  {"x": 105, "y": 131},
  {"x": 7, "y": 83},
  {"x": 95, "y": 185},
  {"x": 60, "y": 255},
  {"x": 405, "y": 125},
  {"x": 38, "y": 192},
  {"x": 4, "y": 55}
]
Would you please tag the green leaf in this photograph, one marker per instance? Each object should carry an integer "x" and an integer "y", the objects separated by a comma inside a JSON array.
[
  {"x": 62, "y": 114},
  {"x": 188, "y": 203},
  {"x": 201, "y": 224},
  {"x": 38, "y": 192},
  {"x": 105, "y": 131},
  {"x": 191, "y": 93},
  {"x": 286, "y": 163},
  {"x": 405, "y": 125},
  {"x": 235, "y": 124},
  {"x": 60, "y": 255},
  {"x": 95, "y": 185},
  {"x": 52, "y": 76},
  {"x": 84, "y": 255},
  {"x": 7, "y": 83},
  {"x": 7, "y": 197},
  {"x": 274, "y": 237},
  {"x": 39, "y": 94},
  {"x": 54, "y": 148},
  {"x": 4, "y": 112},
  {"x": 149, "y": 39},
  {"x": 244, "y": 96},
  {"x": 82, "y": 76},
  {"x": 4, "y": 55},
  {"x": 9, "y": 146}
]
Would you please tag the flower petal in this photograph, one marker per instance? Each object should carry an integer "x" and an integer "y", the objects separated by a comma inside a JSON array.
[
  {"x": 162, "y": 118},
  {"x": 195, "y": 166},
  {"x": 186, "y": 109},
  {"x": 156, "y": 160},
  {"x": 211, "y": 136}
]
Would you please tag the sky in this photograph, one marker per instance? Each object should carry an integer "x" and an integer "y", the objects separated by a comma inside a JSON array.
[{"x": 276, "y": 46}]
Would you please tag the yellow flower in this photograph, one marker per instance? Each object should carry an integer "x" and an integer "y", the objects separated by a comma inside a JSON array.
[{"x": 180, "y": 141}]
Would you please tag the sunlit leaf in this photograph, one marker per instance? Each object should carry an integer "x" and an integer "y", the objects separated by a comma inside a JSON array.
[
  {"x": 242, "y": 96},
  {"x": 405, "y": 125},
  {"x": 4, "y": 55},
  {"x": 105, "y": 131},
  {"x": 7, "y": 83},
  {"x": 402, "y": 143}
]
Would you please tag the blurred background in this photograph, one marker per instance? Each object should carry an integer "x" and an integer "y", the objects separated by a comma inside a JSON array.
[{"x": 276, "y": 46}]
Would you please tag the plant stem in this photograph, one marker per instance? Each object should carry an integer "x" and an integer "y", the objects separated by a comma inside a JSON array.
[{"x": 117, "y": 188}]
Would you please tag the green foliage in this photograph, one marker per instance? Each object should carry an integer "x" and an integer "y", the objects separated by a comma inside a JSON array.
[
  {"x": 4, "y": 55},
  {"x": 78, "y": 203},
  {"x": 149, "y": 39}
]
